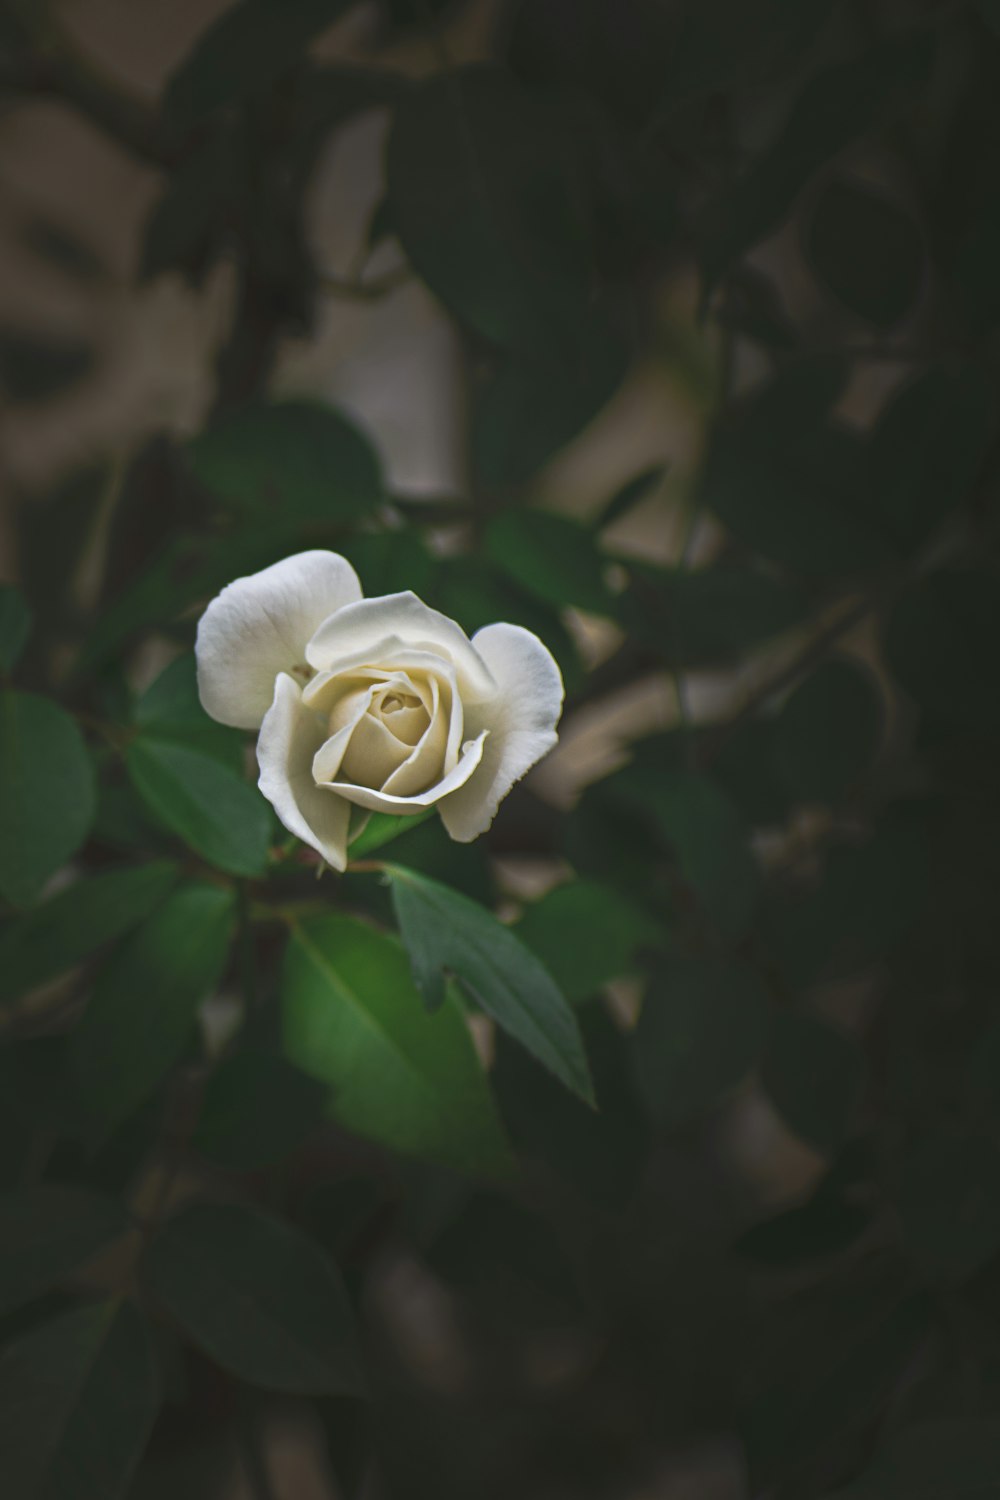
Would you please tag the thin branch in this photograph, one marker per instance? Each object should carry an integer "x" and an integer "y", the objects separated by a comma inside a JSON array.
[
  {"x": 813, "y": 652},
  {"x": 359, "y": 290}
]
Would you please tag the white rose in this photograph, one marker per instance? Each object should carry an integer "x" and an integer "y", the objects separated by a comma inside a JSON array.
[{"x": 382, "y": 704}]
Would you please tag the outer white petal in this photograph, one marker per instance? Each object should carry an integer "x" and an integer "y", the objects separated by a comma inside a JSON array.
[
  {"x": 521, "y": 721},
  {"x": 362, "y": 796},
  {"x": 260, "y": 625},
  {"x": 289, "y": 738},
  {"x": 380, "y": 625}
]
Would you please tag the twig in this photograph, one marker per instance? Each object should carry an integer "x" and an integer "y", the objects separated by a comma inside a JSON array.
[
  {"x": 358, "y": 290},
  {"x": 812, "y": 652}
]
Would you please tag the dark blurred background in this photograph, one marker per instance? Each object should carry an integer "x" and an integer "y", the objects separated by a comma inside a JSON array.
[{"x": 669, "y": 330}]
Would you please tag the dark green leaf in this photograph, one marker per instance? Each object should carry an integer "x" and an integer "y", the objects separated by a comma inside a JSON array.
[
  {"x": 868, "y": 901},
  {"x": 170, "y": 709},
  {"x": 835, "y": 107},
  {"x": 957, "y": 1460},
  {"x": 445, "y": 931},
  {"x": 486, "y": 203},
  {"x": 927, "y": 450},
  {"x": 47, "y": 1233},
  {"x": 78, "y": 1396},
  {"x": 413, "y": 1082},
  {"x": 813, "y": 1076},
  {"x": 586, "y": 934},
  {"x": 828, "y": 1394},
  {"x": 257, "y": 1296},
  {"x": 46, "y": 793},
  {"x": 256, "y": 1109},
  {"x": 210, "y": 807},
  {"x": 144, "y": 1003},
  {"x": 828, "y": 731},
  {"x": 942, "y": 641},
  {"x": 72, "y": 925},
  {"x": 790, "y": 483},
  {"x": 746, "y": 767},
  {"x": 552, "y": 556},
  {"x": 721, "y": 40},
  {"x": 15, "y": 626},
  {"x": 707, "y": 837},
  {"x": 948, "y": 1199},
  {"x": 243, "y": 52},
  {"x": 294, "y": 459},
  {"x": 825, "y": 1226},
  {"x": 709, "y": 614},
  {"x": 701, "y": 1031},
  {"x": 867, "y": 250},
  {"x": 382, "y": 828},
  {"x": 532, "y": 406}
]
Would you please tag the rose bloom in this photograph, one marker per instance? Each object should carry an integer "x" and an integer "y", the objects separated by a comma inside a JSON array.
[{"x": 380, "y": 704}]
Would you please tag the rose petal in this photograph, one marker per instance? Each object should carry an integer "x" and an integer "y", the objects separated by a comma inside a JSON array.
[
  {"x": 359, "y": 630},
  {"x": 326, "y": 761},
  {"x": 289, "y": 738},
  {"x": 425, "y": 764},
  {"x": 521, "y": 720},
  {"x": 363, "y": 796},
  {"x": 372, "y": 754},
  {"x": 260, "y": 626}
]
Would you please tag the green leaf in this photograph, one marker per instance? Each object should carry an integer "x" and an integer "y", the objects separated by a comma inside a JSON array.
[
  {"x": 533, "y": 405},
  {"x": 72, "y": 925},
  {"x": 828, "y": 731},
  {"x": 835, "y": 107},
  {"x": 838, "y": 1376},
  {"x": 827, "y": 1225},
  {"x": 15, "y": 626},
  {"x": 702, "y": 1029},
  {"x": 47, "y": 797},
  {"x": 443, "y": 930},
  {"x": 47, "y": 1233},
  {"x": 942, "y": 642},
  {"x": 210, "y": 807},
  {"x": 258, "y": 1297},
  {"x": 813, "y": 1076},
  {"x": 256, "y": 1109},
  {"x": 242, "y": 53},
  {"x": 948, "y": 1200},
  {"x": 295, "y": 459},
  {"x": 708, "y": 839},
  {"x": 78, "y": 1397},
  {"x": 382, "y": 828},
  {"x": 144, "y": 1002},
  {"x": 413, "y": 1082},
  {"x": 927, "y": 451},
  {"x": 791, "y": 484},
  {"x": 585, "y": 934},
  {"x": 867, "y": 251},
  {"x": 170, "y": 709},
  {"x": 868, "y": 901},
  {"x": 722, "y": 41},
  {"x": 486, "y": 202},
  {"x": 956, "y": 1460},
  {"x": 975, "y": 282},
  {"x": 552, "y": 556},
  {"x": 709, "y": 614}
]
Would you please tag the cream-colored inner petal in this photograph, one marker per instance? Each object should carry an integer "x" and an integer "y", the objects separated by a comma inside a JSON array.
[{"x": 395, "y": 726}]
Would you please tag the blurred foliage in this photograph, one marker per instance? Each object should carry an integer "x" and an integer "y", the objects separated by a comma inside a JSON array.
[{"x": 714, "y": 1175}]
